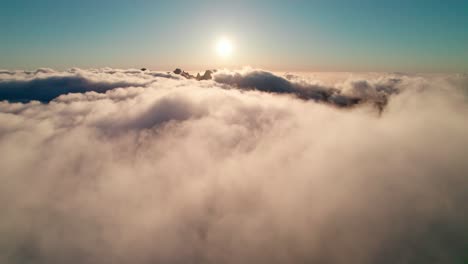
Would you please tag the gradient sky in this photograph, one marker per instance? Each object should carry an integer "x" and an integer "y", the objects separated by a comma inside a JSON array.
[{"x": 414, "y": 36}]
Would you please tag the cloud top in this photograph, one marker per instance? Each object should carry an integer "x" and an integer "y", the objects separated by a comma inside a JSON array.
[
  {"x": 46, "y": 84},
  {"x": 251, "y": 167}
]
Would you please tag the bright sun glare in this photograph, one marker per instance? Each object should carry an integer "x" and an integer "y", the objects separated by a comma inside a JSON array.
[{"x": 224, "y": 47}]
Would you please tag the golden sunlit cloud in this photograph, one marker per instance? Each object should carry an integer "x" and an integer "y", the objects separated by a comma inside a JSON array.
[{"x": 224, "y": 47}]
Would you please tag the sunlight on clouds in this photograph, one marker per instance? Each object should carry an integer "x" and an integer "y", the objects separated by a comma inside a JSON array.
[{"x": 131, "y": 166}]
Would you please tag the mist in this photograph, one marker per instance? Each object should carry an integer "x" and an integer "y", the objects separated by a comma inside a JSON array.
[{"x": 124, "y": 166}]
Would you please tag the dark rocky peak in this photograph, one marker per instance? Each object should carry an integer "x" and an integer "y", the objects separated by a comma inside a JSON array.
[{"x": 206, "y": 76}]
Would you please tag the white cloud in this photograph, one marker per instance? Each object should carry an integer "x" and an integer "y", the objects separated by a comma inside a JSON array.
[{"x": 153, "y": 168}]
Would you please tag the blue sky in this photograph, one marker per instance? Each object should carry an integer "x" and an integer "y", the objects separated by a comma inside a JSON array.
[{"x": 414, "y": 36}]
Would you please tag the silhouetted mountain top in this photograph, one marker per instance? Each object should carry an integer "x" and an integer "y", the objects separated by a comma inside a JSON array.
[{"x": 206, "y": 76}]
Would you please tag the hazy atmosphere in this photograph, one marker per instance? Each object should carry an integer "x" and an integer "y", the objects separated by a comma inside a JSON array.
[
  {"x": 233, "y": 132},
  {"x": 414, "y": 36}
]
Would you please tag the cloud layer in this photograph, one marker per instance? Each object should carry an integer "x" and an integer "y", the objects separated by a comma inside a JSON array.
[
  {"x": 251, "y": 167},
  {"x": 46, "y": 84}
]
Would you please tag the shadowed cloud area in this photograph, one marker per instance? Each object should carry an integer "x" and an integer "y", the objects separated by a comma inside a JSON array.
[
  {"x": 45, "y": 85},
  {"x": 130, "y": 166},
  {"x": 269, "y": 82}
]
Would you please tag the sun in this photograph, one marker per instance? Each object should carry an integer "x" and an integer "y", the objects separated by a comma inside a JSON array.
[{"x": 224, "y": 47}]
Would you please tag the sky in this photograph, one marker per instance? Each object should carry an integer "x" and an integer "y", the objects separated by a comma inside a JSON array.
[{"x": 402, "y": 36}]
